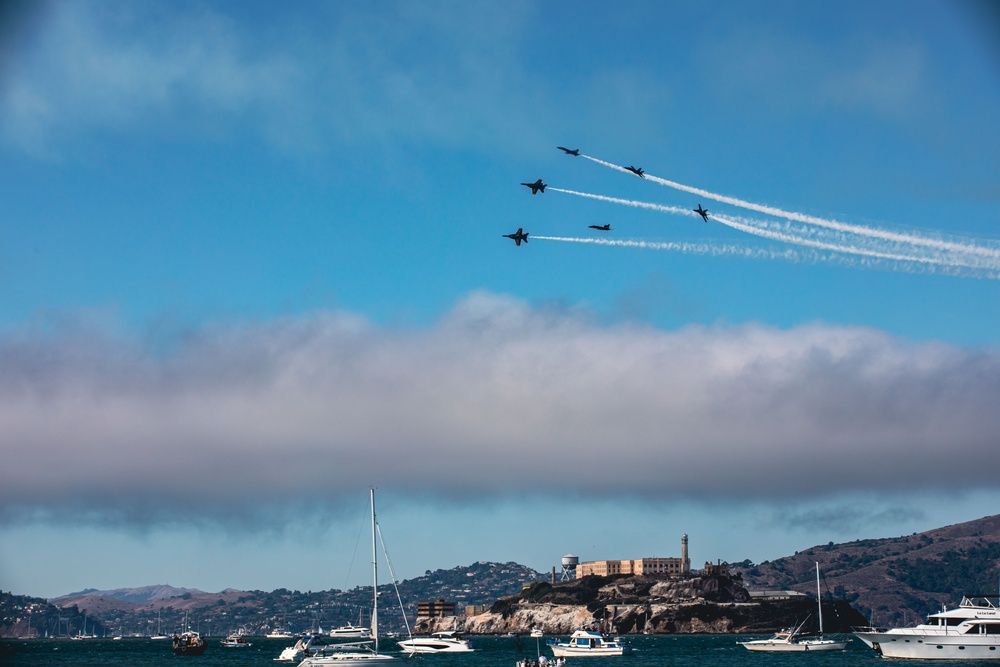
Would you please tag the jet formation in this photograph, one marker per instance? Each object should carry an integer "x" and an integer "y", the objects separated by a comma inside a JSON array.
[
  {"x": 518, "y": 236},
  {"x": 536, "y": 187}
]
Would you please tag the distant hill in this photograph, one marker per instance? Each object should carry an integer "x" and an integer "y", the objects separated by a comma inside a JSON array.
[
  {"x": 140, "y": 595},
  {"x": 898, "y": 579},
  {"x": 24, "y": 616},
  {"x": 137, "y": 610}
]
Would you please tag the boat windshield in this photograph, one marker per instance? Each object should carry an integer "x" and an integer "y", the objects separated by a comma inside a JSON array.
[{"x": 981, "y": 601}]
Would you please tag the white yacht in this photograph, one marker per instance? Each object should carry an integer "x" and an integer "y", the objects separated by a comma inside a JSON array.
[
  {"x": 970, "y": 631},
  {"x": 793, "y": 642},
  {"x": 351, "y": 632},
  {"x": 439, "y": 642},
  {"x": 585, "y": 643},
  {"x": 279, "y": 633}
]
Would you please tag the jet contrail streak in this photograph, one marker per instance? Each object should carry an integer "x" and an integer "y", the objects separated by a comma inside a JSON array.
[
  {"x": 765, "y": 229},
  {"x": 795, "y": 256},
  {"x": 747, "y": 226},
  {"x": 627, "y": 202},
  {"x": 693, "y": 248},
  {"x": 897, "y": 237},
  {"x": 823, "y": 245}
]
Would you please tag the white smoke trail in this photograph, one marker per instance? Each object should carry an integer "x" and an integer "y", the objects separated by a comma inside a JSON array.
[
  {"x": 909, "y": 259},
  {"x": 715, "y": 250},
  {"x": 991, "y": 253},
  {"x": 742, "y": 225},
  {"x": 627, "y": 202},
  {"x": 795, "y": 256},
  {"x": 749, "y": 226}
]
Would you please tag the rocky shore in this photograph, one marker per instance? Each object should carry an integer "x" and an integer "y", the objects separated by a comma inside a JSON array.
[{"x": 715, "y": 604}]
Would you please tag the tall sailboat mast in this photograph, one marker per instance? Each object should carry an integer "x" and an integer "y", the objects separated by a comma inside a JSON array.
[
  {"x": 819, "y": 601},
  {"x": 374, "y": 576}
]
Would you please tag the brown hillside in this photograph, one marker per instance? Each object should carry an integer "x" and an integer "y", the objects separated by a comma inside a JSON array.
[{"x": 895, "y": 580}]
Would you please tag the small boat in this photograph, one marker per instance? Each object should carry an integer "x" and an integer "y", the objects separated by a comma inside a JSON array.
[
  {"x": 970, "y": 631},
  {"x": 447, "y": 641},
  {"x": 541, "y": 661},
  {"x": 794, "y": 642},
  {"x": 159, "y": 634},
  {"x": 279, "y": 633},
  {"x": 584, "y": 643},
  {"x": 236, "y": 641},
  {"x": 189, "y": 643},
  {"x": 536, "y": 632},
  {"x": 307, "y": 646}
]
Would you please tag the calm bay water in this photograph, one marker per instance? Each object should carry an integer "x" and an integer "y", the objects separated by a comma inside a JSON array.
[{"x": 652, "y": 651}]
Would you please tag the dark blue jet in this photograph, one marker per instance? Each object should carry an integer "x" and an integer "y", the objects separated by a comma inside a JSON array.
[
  {"x": 636, "y": 170},
  {"x": 518, "y": 236},
  {"x": 575, "y": 151},
  {"x": 605, "y": 228},
  {"x": 702, "y": 212},
  {"x": 536, "y": 187}
]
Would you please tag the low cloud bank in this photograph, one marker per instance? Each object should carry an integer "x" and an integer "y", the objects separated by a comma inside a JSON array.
[{"x": 497, "y": 398}]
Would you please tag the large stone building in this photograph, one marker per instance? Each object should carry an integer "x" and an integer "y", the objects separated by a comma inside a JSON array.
[
  {"x": 439, "y": 608},
  {"x": 604, "y": 568}
]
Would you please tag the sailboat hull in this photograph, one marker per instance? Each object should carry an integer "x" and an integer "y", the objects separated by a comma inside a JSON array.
[{"x": 802, "y": 646}]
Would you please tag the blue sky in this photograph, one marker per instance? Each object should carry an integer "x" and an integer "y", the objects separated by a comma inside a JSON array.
[{"x": 251, "y": 263}]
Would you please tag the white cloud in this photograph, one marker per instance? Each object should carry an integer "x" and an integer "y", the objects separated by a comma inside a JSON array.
[
  {"x": 780, "y": 70},
  {"x": 497, "y": 398},
  {"x": 345, "y": 73}
]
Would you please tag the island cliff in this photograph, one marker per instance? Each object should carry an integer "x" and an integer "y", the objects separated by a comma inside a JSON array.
[{"x": 698, "y": 603}]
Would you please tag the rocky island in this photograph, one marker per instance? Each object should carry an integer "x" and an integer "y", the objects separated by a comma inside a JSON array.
[{"x": 692, "y": 603}]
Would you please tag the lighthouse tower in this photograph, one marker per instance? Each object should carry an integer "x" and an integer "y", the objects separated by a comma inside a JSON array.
[{"x": 685, "y": 561}]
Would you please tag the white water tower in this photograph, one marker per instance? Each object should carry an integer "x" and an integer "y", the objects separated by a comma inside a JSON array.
[{"x": 569, "y": 563}]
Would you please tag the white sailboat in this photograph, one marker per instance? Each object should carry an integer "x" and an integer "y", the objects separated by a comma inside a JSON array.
[
  {"x": 358, "y": 653},
  {"x": 791, "y": 641},
  {"x": 159, "y": 634}
]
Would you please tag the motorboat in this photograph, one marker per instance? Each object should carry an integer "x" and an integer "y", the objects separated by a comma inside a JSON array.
[
  {"x": 536, "y": 632},
  {"x": 970, "y": 631},
  {"x": 307, "y": 645},
  {"x": 793, "y": 641},
  {"x": 189, "y": 643},
  {"x": 365, "y": 652},
  {"x": 279, "y": 633},
  {"x": 351, "y": 632},
  {"x": 447, "y": 641},
  {"x": 586, "y": 643},
  {"x": 236, "y": 641}
]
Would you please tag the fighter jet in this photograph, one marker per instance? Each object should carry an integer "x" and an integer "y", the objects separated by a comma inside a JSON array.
[
  {"x": 536, "y": 187},
  {"x": 518, "y": 236},
  {"x": 702, "y": 212},
  {"x": 575, "y": 151},
  {"x": 636, "y": 170},
  {"x": 604, "y": 228}
]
